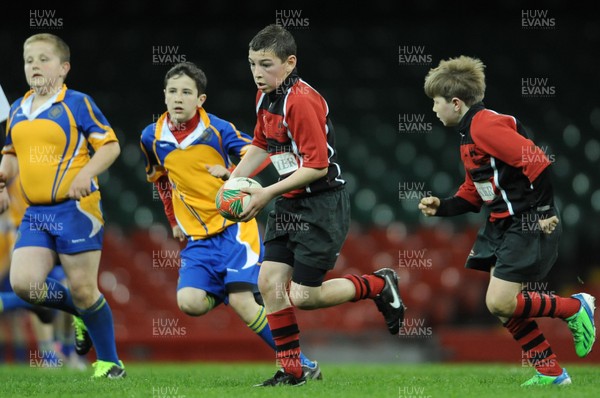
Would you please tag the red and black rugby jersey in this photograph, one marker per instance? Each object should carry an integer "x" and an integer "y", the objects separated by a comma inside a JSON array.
[
  {"x": 293, "y": 126},
  {"x": 501, "y": 164}
]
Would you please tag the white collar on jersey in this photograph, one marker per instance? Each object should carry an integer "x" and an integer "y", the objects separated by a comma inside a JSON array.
[
  {"x": 167, "y": 136},
  {"x": 26, "y": 106}
]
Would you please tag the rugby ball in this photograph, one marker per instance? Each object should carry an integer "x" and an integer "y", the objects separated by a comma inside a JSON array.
[{"x": 230, "y": 200}]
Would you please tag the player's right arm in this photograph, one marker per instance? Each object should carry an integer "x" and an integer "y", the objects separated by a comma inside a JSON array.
[
  {"x": 253, "y": 158},
  {"x": 429, "y": 205},
  {"x": 165, "y": 192},
  {"x": 157, "y": 175},
  {"x": 9, "y": 167},
  {"x": 465, "y": 200}
]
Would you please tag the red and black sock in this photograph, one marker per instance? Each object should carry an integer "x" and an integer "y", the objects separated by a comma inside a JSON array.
[
  {"x": 536, "y": 348},
  {"x": 286, "y": 335},
  {"x": 536, "y": 305},
  {"x": 367, "y": 286}
]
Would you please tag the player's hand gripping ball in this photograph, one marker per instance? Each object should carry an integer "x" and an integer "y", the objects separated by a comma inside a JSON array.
[{"x": 231, "y": 201}]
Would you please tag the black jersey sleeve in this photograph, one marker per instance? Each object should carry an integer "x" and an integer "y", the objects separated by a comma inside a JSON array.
[
  {"x": 454, "y": 206},
  {"x": 544, "y": 193}
]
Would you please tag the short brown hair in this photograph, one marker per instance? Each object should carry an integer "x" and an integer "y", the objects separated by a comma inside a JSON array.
[
  {"x": 62, "y": 49},
  {"x": 274, "y": 38},
  {"x": 460, "y": 77},
  {"x": 190, "y": 70}
]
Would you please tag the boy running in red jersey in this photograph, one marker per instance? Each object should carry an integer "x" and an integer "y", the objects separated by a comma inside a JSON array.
[
  {"x": 509, "y": 174},
  {"x": 306, "y": 231}
]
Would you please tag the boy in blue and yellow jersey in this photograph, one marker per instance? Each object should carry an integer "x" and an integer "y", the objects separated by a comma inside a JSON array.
[
  {"x": 48, "y": 323},
  {"x": 9, "y": 224},
  {"x": 187, "y": 155},
  {"x": 50, "y": 136}
]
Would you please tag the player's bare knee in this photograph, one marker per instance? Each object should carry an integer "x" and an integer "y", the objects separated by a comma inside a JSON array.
[
  {"x": 269, "y": 288},
  {"x": 27, "y": 289},
  {"x": 244, "y": 305},
  {"x": 192, "y": 309},
  {"x": 305, "y": 304},
  {"x": 240, "y": 302},
  {"x": 499, "y": 306},
  {"x": 84, "y": 296},
  {"x": 192, "y": 302},
  {"x": 303, "y": 300},
  {"x": 23, "y": 291}
]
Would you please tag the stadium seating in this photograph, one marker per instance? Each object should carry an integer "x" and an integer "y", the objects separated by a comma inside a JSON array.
[{"x": 366, "y": 97}]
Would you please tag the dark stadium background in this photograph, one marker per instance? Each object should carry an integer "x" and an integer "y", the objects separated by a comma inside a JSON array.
[{"x": 351, "y": 54}]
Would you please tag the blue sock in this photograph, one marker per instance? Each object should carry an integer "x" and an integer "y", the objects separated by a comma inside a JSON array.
[
  {"x": 67, "y": 348},
  {"x": 260, "y": 326},
  {"x": 305, "y": 361},
  {"x": 10, "y": 301},
  {"x": 49, "y": 357},
  {"x": 54, "y": 295},
  {"x": 99, "y": 322},
  {"x": 21, "y": 352}
]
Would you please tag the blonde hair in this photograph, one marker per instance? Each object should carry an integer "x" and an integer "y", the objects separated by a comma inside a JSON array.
[
  {"x": 460, "y": 77},
  {"x": 62, "y": 49}
]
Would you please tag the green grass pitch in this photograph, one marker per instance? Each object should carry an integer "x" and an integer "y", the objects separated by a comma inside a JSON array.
[{"x": 340, "y": 380}]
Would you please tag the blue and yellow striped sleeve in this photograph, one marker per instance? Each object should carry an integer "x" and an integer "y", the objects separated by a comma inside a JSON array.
[
  {"x": 154, "y": 170},
  {"x": 94, "y": 125},
  {"x": 8, "y": 144},
  {"x": 235, "y": 142}
]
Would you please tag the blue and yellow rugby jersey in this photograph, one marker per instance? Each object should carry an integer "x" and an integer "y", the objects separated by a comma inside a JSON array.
[
  {"x": 52, "y": 144},
  {"x": 193, "y": 188},
  {"x": 17, "y": 207},
  {"x": 9, "y": 223}
]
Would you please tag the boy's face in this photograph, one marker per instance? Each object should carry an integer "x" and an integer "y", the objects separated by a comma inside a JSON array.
[
  {"x": 268, "y": 70},
  {"x": 181, "y": 98},
  {"x": 447, "y": 111},
  {"x": 44, "y": 71}
]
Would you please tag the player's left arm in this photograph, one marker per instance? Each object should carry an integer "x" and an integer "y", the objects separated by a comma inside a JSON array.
[
  {"x": 544, "y": 201},
  {"x": 236, "y": 144},
  {"x": 100, "y": 162},
  {"x": 499, "y": 138},
  {"x": 97, "y": 131},
  {"x": 307, "y": 127},
  {"x": 262, "y": 196}
]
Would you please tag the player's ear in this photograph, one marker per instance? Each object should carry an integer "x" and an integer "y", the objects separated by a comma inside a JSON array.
[
  {"x": 290, "y": 64},
  {"x": 66, "y": 67},
  {"x": 456, "y": 103},
  {"x": 165, "y": 93},
  {"x": 201, "y": 99}
]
